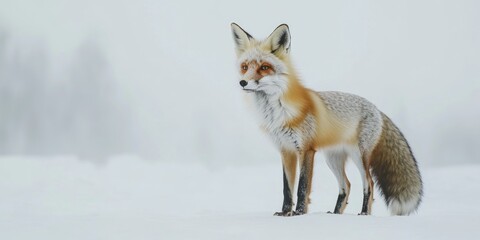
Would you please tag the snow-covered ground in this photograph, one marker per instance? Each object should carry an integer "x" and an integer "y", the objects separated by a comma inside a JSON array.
[{"x": 130, "y": 198}]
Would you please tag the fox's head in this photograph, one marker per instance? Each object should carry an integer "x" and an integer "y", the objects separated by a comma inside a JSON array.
[{"x": 263, "y": 65}]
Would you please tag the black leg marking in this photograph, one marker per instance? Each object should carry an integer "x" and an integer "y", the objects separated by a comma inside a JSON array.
[
  {"x": 287, "y": 198},
  {"x": 340, "y": 199},
  {"x": 302, "y": 192},
  {"x": 366, "y": 197},
  {"x": 287, "y": 195},
  {"x": 304, "y": 183}
]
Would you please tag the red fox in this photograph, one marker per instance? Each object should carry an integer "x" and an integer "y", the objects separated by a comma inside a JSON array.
[{"x": 301, "y": 121}]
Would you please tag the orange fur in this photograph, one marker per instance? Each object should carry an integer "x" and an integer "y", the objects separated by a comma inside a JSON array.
[
  {"x": 298, "y": 97},
  {"x": 330, "y": 130}
]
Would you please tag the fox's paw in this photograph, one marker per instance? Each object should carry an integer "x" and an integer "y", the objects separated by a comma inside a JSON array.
[
  {"x": 284, "y": 214},
  {"x": 363, "y": 214},
  {"x": 290, "y": 213},
  {"x": 334, "y": 212},
  {"x": 298, "y": 213}
]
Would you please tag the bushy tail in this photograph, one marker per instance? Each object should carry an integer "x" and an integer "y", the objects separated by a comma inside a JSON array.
[{"x": 395, "y": 170}]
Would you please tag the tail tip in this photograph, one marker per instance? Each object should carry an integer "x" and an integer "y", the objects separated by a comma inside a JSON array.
[{"x": 398, "y": 207}]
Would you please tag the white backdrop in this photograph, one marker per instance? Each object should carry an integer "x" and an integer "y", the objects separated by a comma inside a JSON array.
[{"x": 157, "y": 79}]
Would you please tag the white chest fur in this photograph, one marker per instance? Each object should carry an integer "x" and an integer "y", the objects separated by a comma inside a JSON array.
[{"x": 274, "y": 114}]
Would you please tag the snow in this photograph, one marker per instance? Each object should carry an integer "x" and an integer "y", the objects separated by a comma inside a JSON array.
[{"x": 132, "y": 198}]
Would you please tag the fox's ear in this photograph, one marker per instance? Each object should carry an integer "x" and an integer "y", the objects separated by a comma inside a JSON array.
[
  {"x": 279, "y": 40},
  {"x": 241, "y": 38}
]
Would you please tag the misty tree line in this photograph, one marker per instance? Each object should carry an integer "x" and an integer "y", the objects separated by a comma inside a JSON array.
[{"x": 81, "y": 112}]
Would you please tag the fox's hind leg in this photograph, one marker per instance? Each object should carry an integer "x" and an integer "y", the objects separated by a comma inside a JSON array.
[
  {"x": 289, "y": 161},
  {"x": 336, "y": 162},
  {"x": 362, "y": 165}
]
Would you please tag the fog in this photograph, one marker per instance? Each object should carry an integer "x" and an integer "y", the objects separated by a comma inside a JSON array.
[{"x": 157, "y": 79}]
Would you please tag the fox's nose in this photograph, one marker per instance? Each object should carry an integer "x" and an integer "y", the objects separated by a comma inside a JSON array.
[{"x": 243, "y": 83}]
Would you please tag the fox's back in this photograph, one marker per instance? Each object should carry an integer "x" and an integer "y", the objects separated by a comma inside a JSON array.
[
  {"x": 348, "y": 106},
  {"x": 356, "y": 111}
]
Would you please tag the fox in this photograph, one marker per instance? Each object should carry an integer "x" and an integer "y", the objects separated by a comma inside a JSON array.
[{"x": 301, "y": 121}]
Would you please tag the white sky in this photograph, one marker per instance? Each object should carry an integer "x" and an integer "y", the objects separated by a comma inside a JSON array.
[{"x": 418, "y": 61}]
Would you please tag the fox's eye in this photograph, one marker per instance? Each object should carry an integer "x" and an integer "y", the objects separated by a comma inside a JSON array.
[
  {"x": 244, "y": 67},
  {"x": 264, "y": 67}
]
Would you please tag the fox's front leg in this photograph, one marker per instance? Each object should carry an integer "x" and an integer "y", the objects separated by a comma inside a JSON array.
[
  {"x": 289, "y": 162},
  {"x": 304, "y": 182}
]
